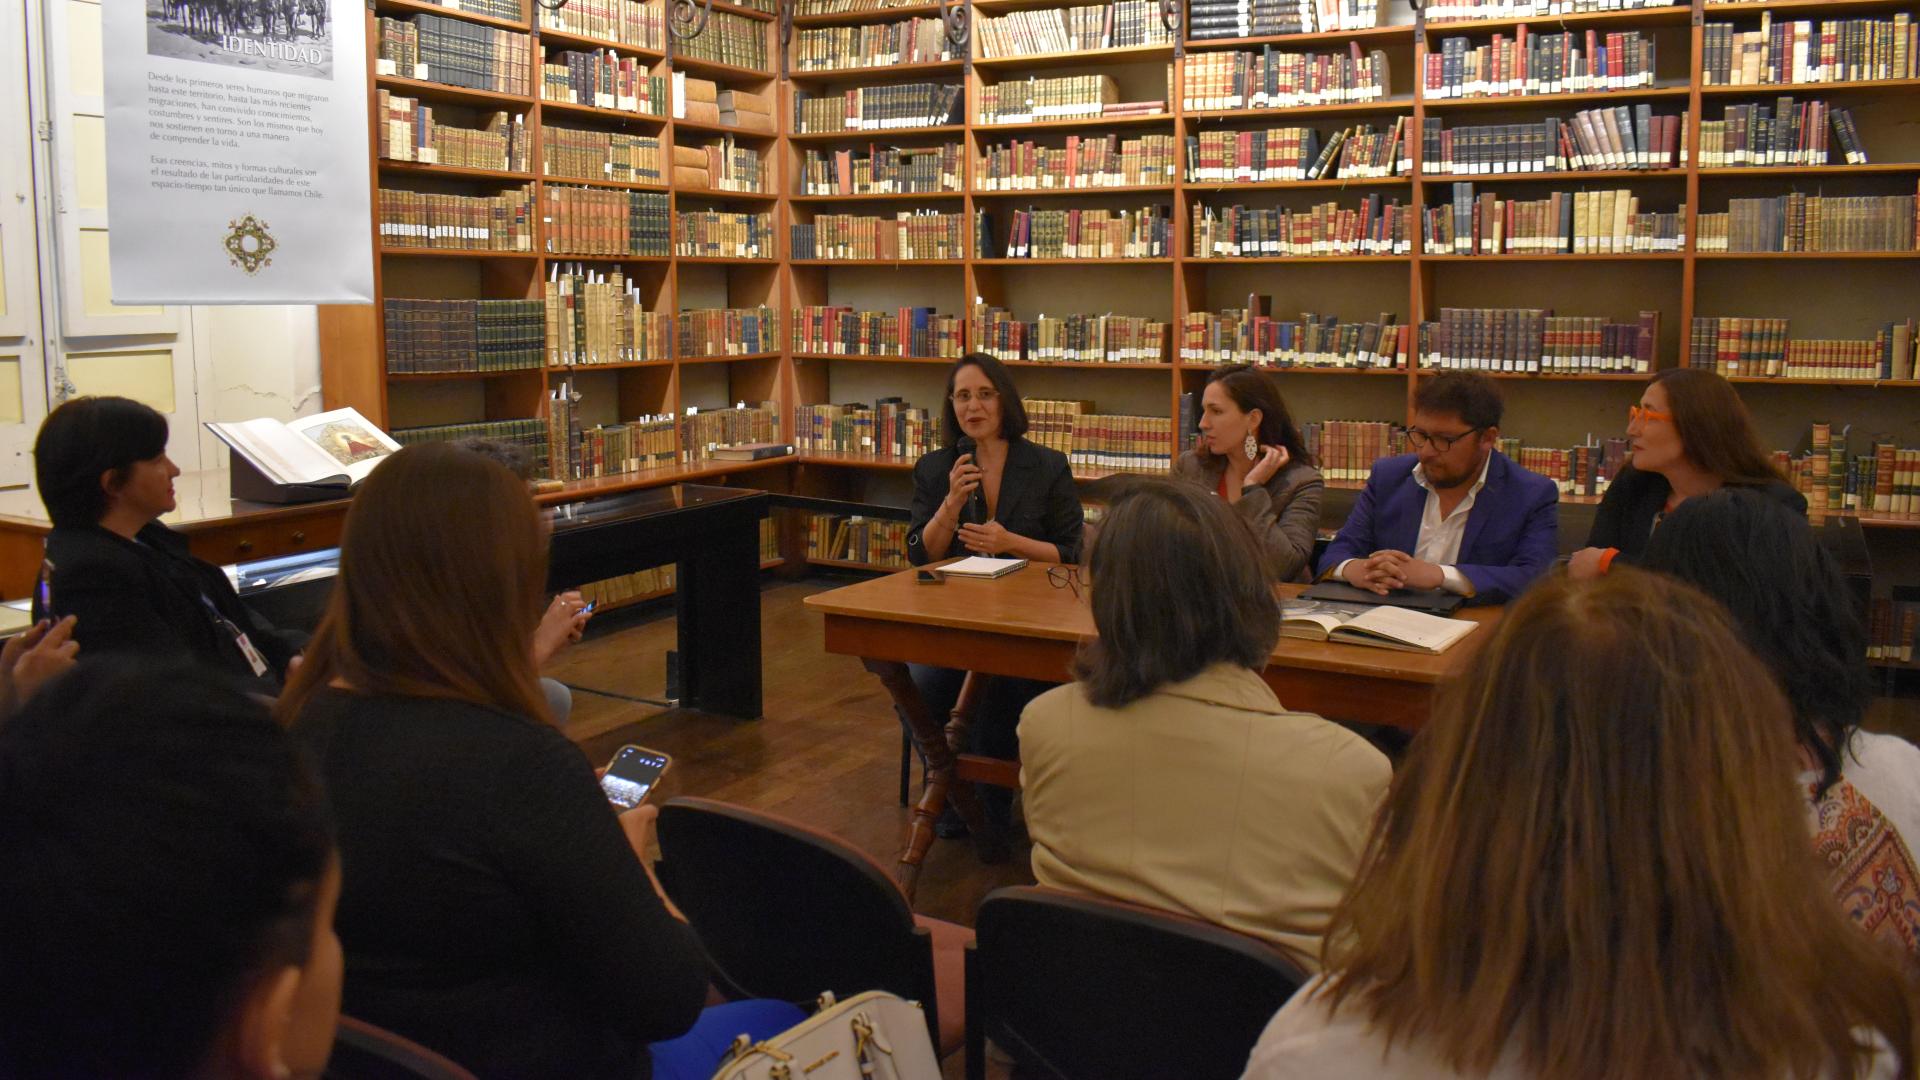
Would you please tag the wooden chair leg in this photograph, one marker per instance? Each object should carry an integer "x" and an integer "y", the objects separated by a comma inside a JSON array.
[
  {"x": 906, "y": 763},
  {"x": 988, "y": 843}
]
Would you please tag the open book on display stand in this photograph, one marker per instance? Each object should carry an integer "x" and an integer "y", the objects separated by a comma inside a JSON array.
[
  {"x": 1381, "y": 627},
  {"x": 305, "y": 459}
]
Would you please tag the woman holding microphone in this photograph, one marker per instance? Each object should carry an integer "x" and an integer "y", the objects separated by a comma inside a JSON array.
[{"x": 988, "y": 491}]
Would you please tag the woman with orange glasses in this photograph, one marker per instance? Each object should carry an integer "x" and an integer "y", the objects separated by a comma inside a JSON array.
[{"x": 1690, "y": 435}]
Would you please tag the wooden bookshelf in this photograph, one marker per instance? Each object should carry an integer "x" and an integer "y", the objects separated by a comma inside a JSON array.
[
  {"x": 418, "y": 7},
  {"x": 1562, "y": 177},
  {"x": 878, "y": 72},
  {"x": 565, "y": 109},
  {"x": 880, "y": 196},
  {"x": 1076, "y": 123},
  {"x": 867, "y": 16},
  {"x": 415, "y": 168},
  {"x": 1822, "y": 89},
  {"x": 1224, "y": 186},
  {"x": 1412, "y": 287},
  {"x": 1582, "y": 99},
  {"x": 1601, "y": 21},
  {"x": 1370, "y": 38},
  {"x": 564, "y": 40}
]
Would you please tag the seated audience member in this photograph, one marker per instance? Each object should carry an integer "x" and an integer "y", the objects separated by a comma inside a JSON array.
[
  {"x": 1169, "y": 775},
  {"x": 1691, "y": 435},
  {"x": 1456, "y": 514},
  {"x": 129, "y": 582},
  {"x": 496, "y": 908},
  {"x": 1761, "y": 559},
  {"x": 565, "y": 621},
  {"x": 1590, "y": 868},
  {"x": 1251, "y": 455},
  {"x": 1000, "y": 495},
  {"x": 167, "y": 885}
]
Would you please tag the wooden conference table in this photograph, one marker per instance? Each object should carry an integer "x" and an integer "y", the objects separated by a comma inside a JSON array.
[{"x": 1021, "y": 625}]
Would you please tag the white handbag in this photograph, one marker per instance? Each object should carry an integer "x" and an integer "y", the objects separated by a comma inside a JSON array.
[{"x": 871, "y": 1036}]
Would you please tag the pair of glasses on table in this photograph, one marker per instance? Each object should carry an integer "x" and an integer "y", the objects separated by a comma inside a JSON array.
[{"x": 1065, "y": 577}]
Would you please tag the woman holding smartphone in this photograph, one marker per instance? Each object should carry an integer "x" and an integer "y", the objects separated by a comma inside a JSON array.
[
  {"x": 988, "y": 491},
  {"x": 1252, "y": 456},
  {"x": 494, "y": 908}
]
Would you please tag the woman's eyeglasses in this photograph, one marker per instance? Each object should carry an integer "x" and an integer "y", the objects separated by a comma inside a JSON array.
[
  {"x": 966, "y": 397},
  {"x": 1065, "y": 577},
  {"x": 1636, "y": 414}
]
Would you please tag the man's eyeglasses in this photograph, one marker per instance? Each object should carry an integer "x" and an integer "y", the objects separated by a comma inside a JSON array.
[
  {"x": 1420, "y": 440},
  {"x": 1065, "y": 577},
  {"x": 1636, "y": 414},
  {"x": 984, "y": 397}
]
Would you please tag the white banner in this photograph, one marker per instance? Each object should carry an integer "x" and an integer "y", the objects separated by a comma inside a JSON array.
[{"x": 237, "y": 151}]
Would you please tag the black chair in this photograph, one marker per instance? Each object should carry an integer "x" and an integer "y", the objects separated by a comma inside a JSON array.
[
  {"x": 364, "y": 1052},
  {"x": 785, "y": 912},
  {"x": 1079, "y": 988}
]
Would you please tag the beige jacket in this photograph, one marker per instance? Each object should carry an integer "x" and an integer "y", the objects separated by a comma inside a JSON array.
[
  {"x": 1205, "y": 798},
  {"x": 1284, "y": 512}
]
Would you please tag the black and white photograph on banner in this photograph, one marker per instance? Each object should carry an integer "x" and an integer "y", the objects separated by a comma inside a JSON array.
[{"x": 288, "y": 37}]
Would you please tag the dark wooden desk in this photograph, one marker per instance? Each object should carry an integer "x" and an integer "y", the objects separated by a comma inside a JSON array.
[
  {"x": 1020, "y": 625},
  {"x": 713, "y": 534},
  {"x": 223, "y": 530},
  {"x": 601, "y": 529}
]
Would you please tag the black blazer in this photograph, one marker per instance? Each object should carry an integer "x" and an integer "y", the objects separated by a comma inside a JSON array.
[
  {"x": 144, "y": 598},
  {"x": 1037, "y": 499},
  {"x": 1635, "y": 498}
]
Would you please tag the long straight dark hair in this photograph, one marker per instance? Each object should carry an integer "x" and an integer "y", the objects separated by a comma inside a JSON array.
[
  {"x": 1715, "y": 428},
  {"x": 1179, "y": 583},
  {"x": 443, "y": 570},
  {"x": 1250, "y": 388},
  {"x": 1788, "y": 599}
]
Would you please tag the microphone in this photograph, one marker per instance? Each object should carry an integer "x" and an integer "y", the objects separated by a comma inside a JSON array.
[{"x": 975, "y": 512}]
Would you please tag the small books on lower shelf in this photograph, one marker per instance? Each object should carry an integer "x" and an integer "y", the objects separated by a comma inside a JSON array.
[
  {"x": 312, "y": 457},
  {"x": 980, "y": 566},
  {"x": 1381, "y": 627}
]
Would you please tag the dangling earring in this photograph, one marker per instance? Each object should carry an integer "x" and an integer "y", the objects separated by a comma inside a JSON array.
[{"x": 1251, "y": 446}]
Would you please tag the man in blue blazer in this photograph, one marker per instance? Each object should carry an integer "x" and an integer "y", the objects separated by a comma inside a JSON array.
[{"x": 1456, "y": 514}]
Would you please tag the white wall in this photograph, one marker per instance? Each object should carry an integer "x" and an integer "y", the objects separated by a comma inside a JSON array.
[{"x": 253, "y": 361}]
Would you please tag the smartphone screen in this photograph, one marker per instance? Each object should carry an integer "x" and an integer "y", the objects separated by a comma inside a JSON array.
[
  {"x": 44, "y": 587},
  {"x": 631, "y": 775}
]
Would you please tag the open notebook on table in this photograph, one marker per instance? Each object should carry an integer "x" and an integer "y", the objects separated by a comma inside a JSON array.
[
  {"x": 980, "y": 566},
  {"x": 1381, "y": 627}
]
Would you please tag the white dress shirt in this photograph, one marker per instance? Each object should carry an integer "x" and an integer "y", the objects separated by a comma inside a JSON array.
[{"x": 1440, "y": 536}]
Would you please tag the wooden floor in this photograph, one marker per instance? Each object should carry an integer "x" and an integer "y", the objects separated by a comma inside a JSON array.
[{"x": 826, "y": 754}]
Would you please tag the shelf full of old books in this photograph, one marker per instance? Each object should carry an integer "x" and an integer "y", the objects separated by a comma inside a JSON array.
[
  {"x": 579, "y": 229},
  {"x": 594, "y": 212}
]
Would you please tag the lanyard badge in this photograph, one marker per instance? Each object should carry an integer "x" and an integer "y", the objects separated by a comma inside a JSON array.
[{"x": 240, "y": 639}]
